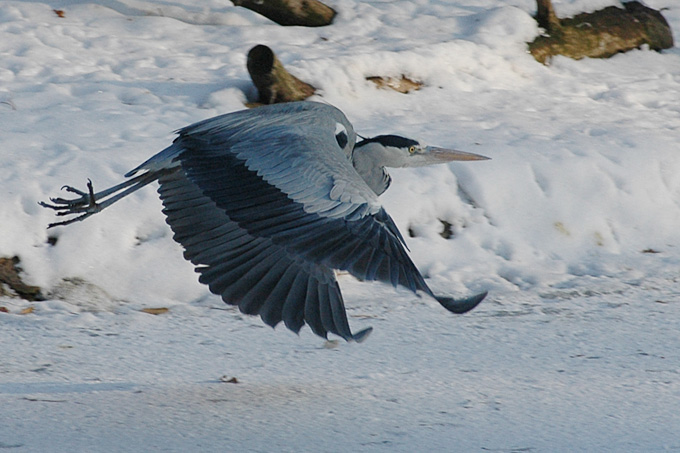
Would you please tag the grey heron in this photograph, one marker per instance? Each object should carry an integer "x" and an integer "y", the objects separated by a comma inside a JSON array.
[{"x": 268, "y": 202}]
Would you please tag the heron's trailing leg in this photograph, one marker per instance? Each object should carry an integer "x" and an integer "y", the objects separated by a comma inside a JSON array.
[{"x": 89, "y": 202}]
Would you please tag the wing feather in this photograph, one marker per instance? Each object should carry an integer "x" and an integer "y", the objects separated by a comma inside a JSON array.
[
  {"x": 293, "y": 310},
  {"x": 254, "y": 273},
  {"x": 312, "y": 309},
  {"x": 272, "y": 307}
]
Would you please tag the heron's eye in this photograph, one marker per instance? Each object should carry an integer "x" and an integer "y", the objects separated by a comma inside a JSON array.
[
  {"x": 341, "y": 135},
  {"x": 341, "y": 138},
  {"x": 412, "y": 149}
]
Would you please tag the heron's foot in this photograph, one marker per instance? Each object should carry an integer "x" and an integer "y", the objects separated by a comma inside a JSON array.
[
  {"x": 460, "y": 306},
  {"x": 85, "y": 205}
]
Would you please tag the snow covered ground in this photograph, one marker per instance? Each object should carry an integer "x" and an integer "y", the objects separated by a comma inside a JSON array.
[{"x": 573, "y": 227}]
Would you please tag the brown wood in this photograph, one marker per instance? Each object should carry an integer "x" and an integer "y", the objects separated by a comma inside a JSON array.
[
  {"x": 271, "y": 79},
  {"x": 308, "y": 13},
  {"x": 600, "y": 34},
  {"x": 402, "y": 85},
  {"x": 9, "y": 275},
  {"x": 545, "y": 15}
]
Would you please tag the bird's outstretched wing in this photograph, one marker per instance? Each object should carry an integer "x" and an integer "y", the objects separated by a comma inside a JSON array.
[
  {"x": 267, "y": 212},
  {"x": 366, "y": 244}
]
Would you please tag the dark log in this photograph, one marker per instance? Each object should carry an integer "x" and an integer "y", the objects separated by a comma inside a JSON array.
[
  {"x": 600, "y": 34},
  {"x": 545, "y": 16},
  {"x": 9, "y": 275},
  {"x": 308, "y": 13},
  {"x": 271, "y": 79}
]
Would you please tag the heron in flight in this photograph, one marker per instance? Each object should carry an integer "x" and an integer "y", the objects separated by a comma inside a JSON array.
[{"x": 268, "y": 202}]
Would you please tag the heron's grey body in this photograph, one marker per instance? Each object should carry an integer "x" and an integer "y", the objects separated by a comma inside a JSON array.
[{"x": 268, "y": 202}]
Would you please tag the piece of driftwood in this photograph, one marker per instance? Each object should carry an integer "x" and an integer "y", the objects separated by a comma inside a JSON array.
[
  {"x": 600, "y": 34},
  {"x": 9, "y": 275},
  {"x": 271, "y": 79},
  {"x": 402, "y": 85},
  {"x": 308, "y": 13}
]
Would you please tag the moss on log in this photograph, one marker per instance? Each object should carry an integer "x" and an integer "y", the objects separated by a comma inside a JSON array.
[{"x": 600, "y": 34}]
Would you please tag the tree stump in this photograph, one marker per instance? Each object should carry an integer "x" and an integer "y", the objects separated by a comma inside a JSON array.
[
  {"x": 308, "y": 13},
  {"x": 271, "y": 79},
  {"x": 600, "y": 34}
]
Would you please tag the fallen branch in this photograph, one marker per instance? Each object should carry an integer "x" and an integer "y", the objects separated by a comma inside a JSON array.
[
  {"x": 308, "y": 13},
  {"x": 600, "y": 34},
  {"x": 271, "y": 79}
]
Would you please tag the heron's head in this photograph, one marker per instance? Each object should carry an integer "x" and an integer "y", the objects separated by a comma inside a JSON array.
[{"x": 395, "y": 151}]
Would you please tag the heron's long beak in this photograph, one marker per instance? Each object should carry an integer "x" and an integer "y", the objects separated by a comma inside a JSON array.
[{"x": 448, "y": 155}]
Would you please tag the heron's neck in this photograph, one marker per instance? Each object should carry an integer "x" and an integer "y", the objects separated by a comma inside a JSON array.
[{"x": 366, "y": 159}]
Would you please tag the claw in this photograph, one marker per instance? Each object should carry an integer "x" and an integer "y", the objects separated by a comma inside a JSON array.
[
  {"x": 59, "y": 201},
  {"x": 85, "y": 205},
  {"x": 89, "y": 202},
  {"x": 90, "y": 189},
  {"x": 74, "y": 190},
  {"x": 69, "y": 221},
  {"x": 47, "y": 205}
]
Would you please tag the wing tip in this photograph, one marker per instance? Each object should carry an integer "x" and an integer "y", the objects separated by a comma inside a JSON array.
[
  {"x": 361, "y": 335},
  {"x": 460, "y": 306}
]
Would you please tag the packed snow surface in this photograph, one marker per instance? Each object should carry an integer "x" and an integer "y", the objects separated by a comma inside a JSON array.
[{"x": 573, "y": 227}]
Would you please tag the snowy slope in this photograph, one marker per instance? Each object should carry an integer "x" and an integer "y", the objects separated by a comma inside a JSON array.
[{"x": 572, "y": 227}]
